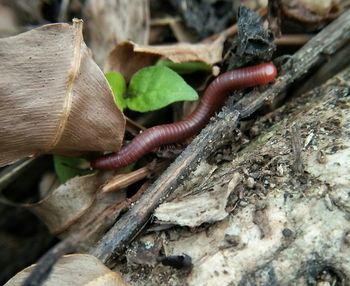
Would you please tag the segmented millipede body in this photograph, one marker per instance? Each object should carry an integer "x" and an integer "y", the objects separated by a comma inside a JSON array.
[{"x": 213, "y": 98}]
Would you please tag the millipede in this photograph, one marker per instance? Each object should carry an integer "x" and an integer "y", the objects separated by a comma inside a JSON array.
[{"x": 212, "y": 99}]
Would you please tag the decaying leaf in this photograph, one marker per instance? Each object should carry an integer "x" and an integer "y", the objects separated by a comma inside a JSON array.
[
  {"x": 313, "y": 12},
  {"x": 76, "y": 269},
  {"x": 64, "y": 205},
  {"x": 110, "y": 22},
  {"x": 124, "y": 60},
  {"x": 128, "y": 57},
  {"x": 53, "y": 97},
  {"x": 209, "y": 53},
  {"x": 69, "y": 207},
  {"x": 197, "y": 209},
  {"x": 78, "y": 208}
]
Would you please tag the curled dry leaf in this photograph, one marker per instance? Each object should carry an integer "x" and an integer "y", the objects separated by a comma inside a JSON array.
[
  {"x": 76, "y": 269},
  {"x": 209, "y": 53},
  {"x": 124, "y": 59},
  {"x": 66, "y": 204},
  {"x": 110, "y": 22},
  {"x": 75, "y": 208},
  {"x": 128, "y": 57},
  {"x": 53, "y": 96},
  {"x": 313, "y": 12}
]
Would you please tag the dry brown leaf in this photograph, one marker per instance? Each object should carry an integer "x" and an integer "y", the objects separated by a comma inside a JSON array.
[
  {"x": 313, "y": 12},
  {"x": 128, "y": 57},
  {"x": 63, "y": 206},
  {"x": 97, "y": 219},
  {"x": 209, "y": 53},
  {"x": 70, "y": 208},
  {"x": 110, "y": 22},
  {"x": 75, "y": 270},
  {"x": 125, "y": 60},
  {"x": 53, "y": 96}
]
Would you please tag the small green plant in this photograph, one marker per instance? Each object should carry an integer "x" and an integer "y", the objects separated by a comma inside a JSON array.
[
  {"x": 186, "y": 67},
  {"x": 69, "y": 167},
  {"x": 117, "y": 83},
  {"x": 151, "y": 88}
]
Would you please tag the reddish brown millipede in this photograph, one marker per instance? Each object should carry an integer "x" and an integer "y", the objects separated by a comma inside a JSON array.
[{"x": 213, "y": 98}]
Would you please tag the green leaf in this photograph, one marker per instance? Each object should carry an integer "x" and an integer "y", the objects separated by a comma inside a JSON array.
[
  {"x": 155, "y": 87},
  {"x": 118, "y": 86},
  {"x": 68, "y": 167},
  {"x": 186, "y": 67}
]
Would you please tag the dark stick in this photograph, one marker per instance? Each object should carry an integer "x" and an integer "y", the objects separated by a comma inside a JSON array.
[
  {"x": 44, "y": 266},
  {"x": 140, "y": 213},
  {"x": 327, "y": 42}
]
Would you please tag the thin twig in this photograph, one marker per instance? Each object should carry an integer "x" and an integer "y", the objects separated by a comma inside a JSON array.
[
  {"x": 293, "y": 40},
  {"x": 133, "y": 127},
  {"x": 121, "y": 181},
  {"x": 10, "y": 173}
]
